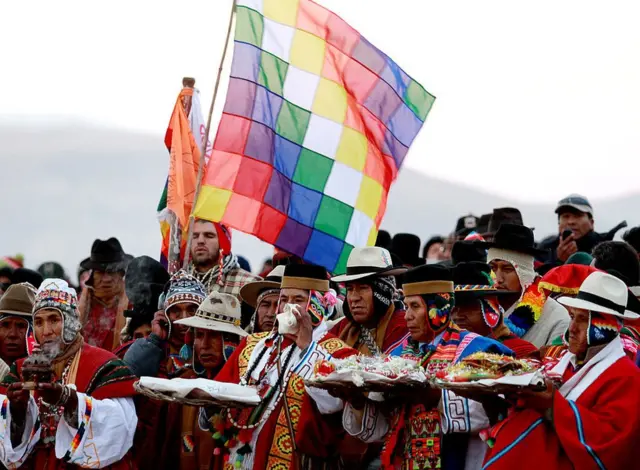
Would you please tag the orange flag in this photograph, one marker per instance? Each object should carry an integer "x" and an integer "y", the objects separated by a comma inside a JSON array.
[{"x": 183, "y": 162}]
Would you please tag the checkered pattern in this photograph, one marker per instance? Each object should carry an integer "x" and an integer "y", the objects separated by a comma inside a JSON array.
[
  {"x": 232, "y": 282},
  {"x": 316, "y": 125}
]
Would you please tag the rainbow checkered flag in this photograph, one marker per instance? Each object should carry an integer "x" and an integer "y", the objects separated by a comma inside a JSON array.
[{"x": 316, "y": 125}]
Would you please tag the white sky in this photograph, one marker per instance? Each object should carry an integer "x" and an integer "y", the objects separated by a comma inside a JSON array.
[{"x": 530, "y": 94}]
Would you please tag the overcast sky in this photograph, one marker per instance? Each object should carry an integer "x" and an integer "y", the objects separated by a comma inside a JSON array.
[{"x": 534, "y": 99}]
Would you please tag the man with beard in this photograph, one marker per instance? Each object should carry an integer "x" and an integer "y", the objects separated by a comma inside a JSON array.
[
  {"x": 16, "y": 306},
  {"x": 529, "y": 314},
  {"x": 103, "y": 303},
  {"x": 70, "y": 404},
  {"x": 263, "y": 296}
]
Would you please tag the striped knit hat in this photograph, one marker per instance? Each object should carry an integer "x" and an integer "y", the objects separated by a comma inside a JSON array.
[
  {"x": 56, "y": 294},
  {"x": 184, "y": 288}
]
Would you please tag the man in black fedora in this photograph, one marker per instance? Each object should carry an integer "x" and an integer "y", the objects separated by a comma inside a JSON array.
[
  {"x": 103, "y": 303},
  {"x": 529, "y": 314},
  {"x": 501, "y": 215}
]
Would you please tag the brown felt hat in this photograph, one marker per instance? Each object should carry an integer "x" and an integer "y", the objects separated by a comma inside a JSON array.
[{"x": 18, "y": 300}]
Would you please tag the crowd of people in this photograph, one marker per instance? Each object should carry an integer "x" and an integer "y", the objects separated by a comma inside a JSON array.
[{"x": 70, "y": 357}]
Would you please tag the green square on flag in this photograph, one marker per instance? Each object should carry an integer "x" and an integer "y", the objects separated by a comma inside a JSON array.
[
  {"x": 249, "y": 26},
  {"x": 273, "y": 71},
  {"x": 341, "y": 267},
  {"x": 419, "y": 100},
  {"x": 293, "y": 122},
  {"x": 334, "y": 217},
  {"x": 313, "y": 170}
]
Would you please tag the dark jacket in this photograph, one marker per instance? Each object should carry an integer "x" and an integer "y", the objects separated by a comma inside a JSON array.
[{"x": 145, "y": 356}]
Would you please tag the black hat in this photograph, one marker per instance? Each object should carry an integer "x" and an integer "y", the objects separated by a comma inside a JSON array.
[
  {"x": 51, "y": 269},
  {"x": 632, "y": 237},
  {"x": 473, "y": 280},
  {"x": 468, "y": 250},
  {"x": 107, "y": 255},
  {"x": 384, "y": 239},
  {"x": 516, "y": 238},
  {"x": 466, "y": 224},
  {"x": 483, "y": 223},
  {"x": 427, "y": 279},
  {"x": 306, "y": 277},
  {"x": 503, "y": 215},
  {"x": 406, "y": 246},
  {"x": 146, "y": 279},
  {"x": 21, "y": 275},
  {"x": 430, "y": 242}
]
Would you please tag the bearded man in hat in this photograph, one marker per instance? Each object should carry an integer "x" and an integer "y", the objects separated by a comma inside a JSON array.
[
  {"x": 103, "y": 302},
  {"x": 263, "y": 296},
  {"x": 431, "y": 428},
  {"x": 16, "y": 306},
  {"x": 529, "y": 313},
  {"x": 478, "y": 307},
  {"x": 69, "y": 404},
  {"x": 591, "y": 420},
  {"x": 290, "y": 423}
]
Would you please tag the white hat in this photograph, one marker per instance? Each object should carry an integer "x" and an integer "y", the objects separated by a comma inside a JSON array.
[
  {"x": 250, "y": 292},
  {"x": 369, "y": 261},
  {"x": 218, "y": 312},
  {"x": 601, "y": 292}
]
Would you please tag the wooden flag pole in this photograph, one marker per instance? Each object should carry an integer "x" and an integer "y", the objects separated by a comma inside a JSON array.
[{"x": 203, "y": 150}]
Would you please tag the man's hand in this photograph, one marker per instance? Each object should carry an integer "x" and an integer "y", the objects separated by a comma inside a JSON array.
[
  {"x": 50, "y": 392},
  {"x": 160, "y": 325},
  {"x": 304, "y": 334},
  {"x": 18, "y": 401},
  {"x": 566, "y": 247},
  {"x": 539, "y": 401}
]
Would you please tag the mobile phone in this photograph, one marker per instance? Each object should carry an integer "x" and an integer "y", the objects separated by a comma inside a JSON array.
[{"x": 566, "y": 234}]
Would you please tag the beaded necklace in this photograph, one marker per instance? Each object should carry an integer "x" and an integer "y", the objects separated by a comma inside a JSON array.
[{"x": 50, "y": 414}]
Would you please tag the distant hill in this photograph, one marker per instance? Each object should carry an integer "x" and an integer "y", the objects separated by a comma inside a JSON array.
[{"x": 65, "y": 185}]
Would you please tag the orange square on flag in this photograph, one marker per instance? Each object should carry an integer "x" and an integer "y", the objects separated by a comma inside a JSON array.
[
  {"x": 341, "y": 35},
  {"x": 222, "y": 169},
  {"x": 313, "y": 18},
  {"x": 241, "y": 213},
  {"x": 334, "y": 64},
  {"x": 232, "y": 134}
]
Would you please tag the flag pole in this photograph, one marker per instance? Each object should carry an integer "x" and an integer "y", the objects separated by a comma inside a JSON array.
[{"x": 205, "y": 141}]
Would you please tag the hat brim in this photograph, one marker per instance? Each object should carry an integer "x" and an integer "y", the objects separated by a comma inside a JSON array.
[
  {"x": 213, "y": 325},
  {"x": 528, "y": 251},
  {"x": 19, "y": 314},
  {"x": 250, "y": 292},
  {"x": 393, "y": 271},
  {"x": 114, "y": 266},
  {"x": 476, "y": 294},
  {"x": 578, "y": 207},
  {"x": 586, "y": 305}
]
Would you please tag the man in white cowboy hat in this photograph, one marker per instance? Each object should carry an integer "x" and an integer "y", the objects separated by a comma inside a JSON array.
[
  {"x": 214, "y": 333},
  {"x": 263, "y": 297},
  {"x": 530, "y": 314},
  {"x": 592, "y": 421}
]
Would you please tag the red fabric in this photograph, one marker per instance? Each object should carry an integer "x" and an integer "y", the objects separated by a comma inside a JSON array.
[
  {"x": 100, "y": 326},
  {"x": 224, "y": 237},
  {"x": 609, "y": 417},
  {"x": 316, "y": 435},
  {"x": 394, "y": 335},
  {"x": 520, "y": 347}
]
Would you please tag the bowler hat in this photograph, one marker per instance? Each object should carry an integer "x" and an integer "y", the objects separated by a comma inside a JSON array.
[
  {"x": 516, "y": 238},
  {"x": 473, "y": 280},
  {"x": 428, "y": 279},
  {"x": 503, "y": 215},
  {"x": 406, "y": 246},
  {"x": 18, "y": 300},
  {"x": 107, "y": 255}
]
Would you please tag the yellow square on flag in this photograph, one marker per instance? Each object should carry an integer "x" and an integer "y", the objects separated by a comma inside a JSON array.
[
  {"x": 352, "y": 150},
  {"x": 330, "y": 101},
  {"x": 307, "y": 52},
  {"x": 212, "y": 203},
  {"x": 282, "y": 11},
  {"x": 369, "y": 197},
  {"x": 373, "y": 236}
]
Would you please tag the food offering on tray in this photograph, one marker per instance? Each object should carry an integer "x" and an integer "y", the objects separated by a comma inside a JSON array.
[
  {"x": 367, "y": 373},
  {"x": 491, "y": 371}
]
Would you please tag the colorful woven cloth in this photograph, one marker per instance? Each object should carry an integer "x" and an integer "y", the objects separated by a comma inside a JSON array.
[{"x": 315, "y": 128}]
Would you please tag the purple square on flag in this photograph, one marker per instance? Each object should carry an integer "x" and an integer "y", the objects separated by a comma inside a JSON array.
[
  {"x": 323, "y": 250},
  {"x": 260, "y": 143},
  {"x": 396, "y": 77},
  {"x": 294, "y": 238},
  {"x": 394, "y": 147},
  {"x": 383, "y": 101},
  {"x": 405, "y": 125},
  {"x": 278, "y": 192},
  {"x": 304, "y": 204},
  {"x": 369, "y": 56},
  {"x": 267, "y": 107},
  {"x": 240, "y": 97},
  {"x": 246, "y": 61},
  {"x": 286, "y": 156}
]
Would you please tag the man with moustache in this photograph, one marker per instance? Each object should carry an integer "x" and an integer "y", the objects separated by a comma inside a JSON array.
[{"x": 15, "y": 323}]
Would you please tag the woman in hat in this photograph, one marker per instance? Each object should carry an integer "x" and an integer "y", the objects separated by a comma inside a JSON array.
[
  {"x": 592, "y": 420},
  {"x": 290, "y": 423},
  {"x": 447, "y": 421},
  {"x": 70, "y": 404}
]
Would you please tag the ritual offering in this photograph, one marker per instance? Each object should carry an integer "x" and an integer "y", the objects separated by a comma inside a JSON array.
[
  {"x": 221, "y": 394},
  {"x": 367, "y": 374},
  {"x": 36, "y": 369},
  {"x": 491, "y": 372}
]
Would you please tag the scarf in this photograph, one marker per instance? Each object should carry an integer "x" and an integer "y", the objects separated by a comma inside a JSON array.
[
  {"x": 368, "y": 341},
  {"x": 384, "y": 294},
  {"x": 60, "y": 361},
  {"x": 528, "y": 310},
  {"x": 217, "y": 274}
]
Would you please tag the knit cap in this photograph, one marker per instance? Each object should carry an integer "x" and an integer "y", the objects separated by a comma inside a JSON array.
[
  {"x": 56, "y": 294},
  {"x": 184, "y": 288}
]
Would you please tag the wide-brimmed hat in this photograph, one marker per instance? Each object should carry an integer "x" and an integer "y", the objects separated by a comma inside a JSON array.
[
  {"x": 219, "y": 312},
  {"x": 428, "y": 279},
  {"x": 305, "y": 277},
  {"x": 516, "y": 238},
  {"x": 406, "y": 246},
  {"x": 466, "y": 224},
  {"x": 473, "y": 280},
  {"x": 107, "y": 255},
  {"x": 145, "y": 281},
  {"x": 574, "y": 202},
  {"x": 604, "y": 293},
  {"x": 250, "y": 292},
  {"x": 503, "y": 215},
  {"x": 369, "y": 261},
  {"x": 18, "y": 299},
  {"x": 467, "y": 251}
]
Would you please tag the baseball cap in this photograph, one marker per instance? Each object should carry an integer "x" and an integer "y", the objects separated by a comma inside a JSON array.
[{"x": 575, "y": 201}]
